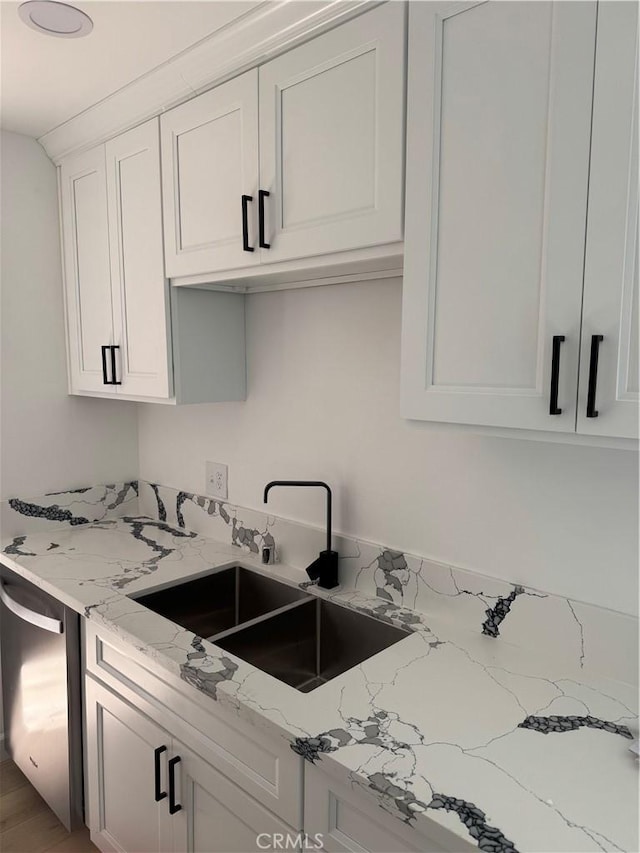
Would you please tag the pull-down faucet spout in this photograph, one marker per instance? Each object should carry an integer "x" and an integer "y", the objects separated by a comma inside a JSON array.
[{"x": 325, "y": 568}]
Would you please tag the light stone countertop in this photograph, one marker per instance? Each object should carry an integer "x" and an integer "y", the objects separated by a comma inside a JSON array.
[{"x": 508, "y": 750}]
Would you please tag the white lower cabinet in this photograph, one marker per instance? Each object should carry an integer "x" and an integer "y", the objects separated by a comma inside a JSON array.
[
  {"x": 217, "y": 816},
  {"x": 122, "y": 811},
  {"x": 344, "y": 820},
  {"x": 166, "y": 770},
  {"x": 148, "y": 792}
]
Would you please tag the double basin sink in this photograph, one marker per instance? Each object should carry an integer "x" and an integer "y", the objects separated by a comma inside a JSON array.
[{"x": 300, "y": 639}]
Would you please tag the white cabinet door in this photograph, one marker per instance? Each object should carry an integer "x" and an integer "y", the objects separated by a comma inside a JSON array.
[
  {"x": 121, "y": 780},
  {"x": 611, "y": 264},
  {"x": 499, "y": 112},
  {"x": 140, "y": 296},
  {"x": 217, "y": 816},
  {"x": 331, "y": 139},
  {"x": 209, "y": 162},
  {"x": 86, "y": 268}
]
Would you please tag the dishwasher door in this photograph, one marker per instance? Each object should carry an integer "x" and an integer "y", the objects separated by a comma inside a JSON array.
[{"x": 41, "y": 693}]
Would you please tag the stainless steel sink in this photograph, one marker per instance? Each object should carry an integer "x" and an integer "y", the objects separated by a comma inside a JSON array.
[
  {"x": 221, "y": 600},
  {"x": 298, "y": 638},
  {"x": 310, "y": 643}
]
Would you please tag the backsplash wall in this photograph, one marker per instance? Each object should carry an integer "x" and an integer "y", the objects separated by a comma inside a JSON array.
[
  {"x": 583, "y": 637},
  {"x": 323, "y": 403}
]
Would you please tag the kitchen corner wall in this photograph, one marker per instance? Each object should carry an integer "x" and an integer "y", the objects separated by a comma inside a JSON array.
[
  {"x": 49, "y": 441},
  {"x": 323, "y": 403}
]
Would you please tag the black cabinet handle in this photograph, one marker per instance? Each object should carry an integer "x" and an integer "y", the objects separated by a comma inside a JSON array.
[
  {"x": 262, "y": 194},
  {"x": 159, "y": 795},
  {"x": 105, "y": 380},
  {"x": 245, "y": 223},
  {"x": 114, "y": 381},
  {"x": 596, "y": 340},
  {"x": 555, "y": 376},
  {"x": 173, "y": 806}
]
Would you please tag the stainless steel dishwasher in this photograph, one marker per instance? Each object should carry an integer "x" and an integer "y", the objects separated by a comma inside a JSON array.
[{"x": 40, "y": 645}]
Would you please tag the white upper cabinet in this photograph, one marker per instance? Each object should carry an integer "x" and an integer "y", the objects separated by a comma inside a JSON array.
[
  {"x": 126, "y": 337},
  {"x": 140, "y": 305},
  {"x": 299, "y": 158},
  {"x": 210, "y": 178},
  {"x": 332, "y": 139},
  {"x": 499, "y": 113},
  {"x": 116, "y": 292},
  {"x": 86, "y": 267},
  {"x": 611, "y": 266}
]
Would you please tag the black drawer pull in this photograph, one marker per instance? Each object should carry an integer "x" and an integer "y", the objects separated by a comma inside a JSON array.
[
  {"x": 596, "y": 340},
  {"x": 159, "y": 795},
  {"x": 173, "y": 806},
  {"x": 105, "y": 380},
  {"x": 555, "y": 376},
  {"x": 114, "y": 381},
  {"x": 262, "y": 194},
  {"x": 245, "y": 223}
]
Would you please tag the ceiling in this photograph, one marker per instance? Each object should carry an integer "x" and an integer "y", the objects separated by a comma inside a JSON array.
[{"x": 46, "y": 80}]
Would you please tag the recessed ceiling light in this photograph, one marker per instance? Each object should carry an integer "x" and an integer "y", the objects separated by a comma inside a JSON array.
[{"x": 55, "y": 19}]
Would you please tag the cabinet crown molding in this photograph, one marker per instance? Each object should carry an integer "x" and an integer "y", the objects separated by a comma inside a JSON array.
[{"x": 262, "y": 33}]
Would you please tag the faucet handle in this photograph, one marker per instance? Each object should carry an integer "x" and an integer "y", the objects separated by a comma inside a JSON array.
[
  {"x": 314, "y": 569},
  {"x": 324, "y": 569}
]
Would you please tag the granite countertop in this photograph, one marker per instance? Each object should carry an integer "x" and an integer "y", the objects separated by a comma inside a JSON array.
[{"x": 509, "y": 750}]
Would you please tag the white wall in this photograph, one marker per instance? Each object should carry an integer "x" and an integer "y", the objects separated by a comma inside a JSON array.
[
  {"x": 49, "y": 440},
  {"x": 323, "y": 402}
]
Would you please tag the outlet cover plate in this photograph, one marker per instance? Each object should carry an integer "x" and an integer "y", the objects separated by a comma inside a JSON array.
[{"x": 216, "y": 480}]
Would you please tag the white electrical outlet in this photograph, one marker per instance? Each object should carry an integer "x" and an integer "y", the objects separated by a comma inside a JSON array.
[{"x": 216, "y": 480}]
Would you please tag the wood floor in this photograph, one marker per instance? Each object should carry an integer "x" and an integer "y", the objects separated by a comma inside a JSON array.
[{"x": 27, "y": 824}]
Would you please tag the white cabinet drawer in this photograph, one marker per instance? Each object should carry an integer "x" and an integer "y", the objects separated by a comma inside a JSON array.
[
  {"x": 349, "y": 822},
  {"x": 261, "y": 764}
]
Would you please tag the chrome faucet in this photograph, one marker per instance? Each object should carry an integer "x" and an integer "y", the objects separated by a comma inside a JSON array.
[{"x": 325, "y": 568}]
